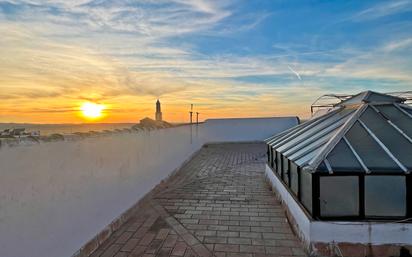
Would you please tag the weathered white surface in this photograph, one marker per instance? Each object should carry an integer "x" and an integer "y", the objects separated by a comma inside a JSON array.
[
  {"x": 362, "y": 232},
  {"x": 350, "y": 232},
  {"x": 56, "y": 196},
  {"x": 302, "y": 221}
]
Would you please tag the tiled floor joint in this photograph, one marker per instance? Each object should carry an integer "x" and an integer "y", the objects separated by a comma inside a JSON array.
[{"x": 217, "y": 204}]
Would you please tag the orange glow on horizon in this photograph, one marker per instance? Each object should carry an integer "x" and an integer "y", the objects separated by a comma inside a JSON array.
[{"x": 132, "y": 109}]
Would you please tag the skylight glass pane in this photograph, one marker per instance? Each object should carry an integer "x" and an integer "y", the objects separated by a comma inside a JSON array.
[
  {"x": 294, "y": 183},
  {"x": 399, "y": 118},
  {"x": 397, "y": 144},
  {"x": 279, "y": 163},
  {"x": 269, "y": 153},
  {"x": 342, "y": 159},
  {"x": 385, "y": 196},
  {"x": 339, "y": 196},
  {"x": 322, "y": 167},
  {"x": 306, "y": 187},
  {"x": 369, "y": 151},
  {"x": 285, "y": 170}
]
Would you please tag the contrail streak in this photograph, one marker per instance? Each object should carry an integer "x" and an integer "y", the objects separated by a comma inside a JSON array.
[{"x": 295, "y": 72}]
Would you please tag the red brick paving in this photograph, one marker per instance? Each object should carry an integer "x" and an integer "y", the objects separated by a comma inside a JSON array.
[{"x": 217, "y": 204}]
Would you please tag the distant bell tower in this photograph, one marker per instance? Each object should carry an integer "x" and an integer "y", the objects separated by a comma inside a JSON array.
[{"x": 158, "y": 111}]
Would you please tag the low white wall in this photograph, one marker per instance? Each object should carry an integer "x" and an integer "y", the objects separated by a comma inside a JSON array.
[
  {"x": 374, "y": 233},
  {"x": 56, "y": 196},
  {"x": 245, "y": 129},
  {"x": 362, "y": 232},
  {"x": 302, "y": 221}
]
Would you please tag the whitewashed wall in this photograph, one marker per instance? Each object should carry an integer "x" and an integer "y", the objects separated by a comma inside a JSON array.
[
  {"x": 368, "y": 233},
  {"x": 56, "y": 196}
]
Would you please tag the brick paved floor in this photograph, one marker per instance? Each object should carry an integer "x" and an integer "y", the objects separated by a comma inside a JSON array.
[{"x": 217, "y": 204}]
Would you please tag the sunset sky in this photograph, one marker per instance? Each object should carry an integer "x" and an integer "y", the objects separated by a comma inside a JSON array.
[{"x": 229, "y": 58}]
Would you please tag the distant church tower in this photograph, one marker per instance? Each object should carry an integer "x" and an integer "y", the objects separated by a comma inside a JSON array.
[{"x": 158, "y": 111}]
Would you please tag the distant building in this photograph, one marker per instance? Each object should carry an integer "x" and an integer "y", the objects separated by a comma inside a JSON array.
[
  {"x": 150, "y": 123},
  {"x": 158, "y": 114}
]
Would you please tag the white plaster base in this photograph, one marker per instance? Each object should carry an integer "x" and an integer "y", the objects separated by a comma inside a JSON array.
[{"x": 313, "y": 232}]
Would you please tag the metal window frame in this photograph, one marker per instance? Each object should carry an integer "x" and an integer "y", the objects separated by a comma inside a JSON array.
[
  {"x": 279, "y": 163},
  {"x": 288, "y": 173},
  {"x": 315, "y": 214},
  {"x": 278, "y": 159},
  {"x": 315, "y": 196},
  {"x": 290, "y": 176},
  {"x": 409, "y": 195},
  {"x": 284, "y": 167},
  {"x": 407, "y": 199},
  {"x": 297, "y": 197},
  {"x": 328, "y": 166},
  {"x": 343, "y": 217},
  {"x": 361, "y": 187},
  {"x": 299, "y": 183},
  {"x": 357, "y": 156}
]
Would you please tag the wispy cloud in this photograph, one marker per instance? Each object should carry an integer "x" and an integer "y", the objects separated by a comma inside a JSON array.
[
  {"x": 383, "y": 9},
  {"x": 220, "y": 55},
  {"x": 398, "y": 45}
]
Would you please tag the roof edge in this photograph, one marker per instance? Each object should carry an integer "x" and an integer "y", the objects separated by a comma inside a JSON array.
[{"x": 363, "y": 97}]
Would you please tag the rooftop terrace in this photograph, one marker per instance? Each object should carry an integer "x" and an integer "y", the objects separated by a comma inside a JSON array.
[{"x": 217, "y": 204}]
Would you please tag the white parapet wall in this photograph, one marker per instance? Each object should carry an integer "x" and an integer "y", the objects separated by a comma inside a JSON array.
[
  {"x": 301, "y": 220},
  {"x": 322, "y": 233},
  {"x": 55, "y": 196}
]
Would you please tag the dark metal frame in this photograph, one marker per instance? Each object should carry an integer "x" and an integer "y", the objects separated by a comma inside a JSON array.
[
  {"x": 296, "y": 197},
  {"x": 269, "y": 153},
  {"x": 316, "y": 191},
  {"x": 361, "y": 201},
  {"x": 331, "y": 100}
]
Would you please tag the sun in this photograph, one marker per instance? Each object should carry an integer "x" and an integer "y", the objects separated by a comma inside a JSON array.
[{"x": 92, "y": 110}]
